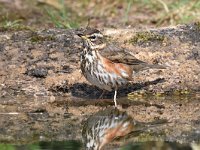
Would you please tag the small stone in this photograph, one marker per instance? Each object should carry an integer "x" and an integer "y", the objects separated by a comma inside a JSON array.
[{"x": 37, "y": 72}]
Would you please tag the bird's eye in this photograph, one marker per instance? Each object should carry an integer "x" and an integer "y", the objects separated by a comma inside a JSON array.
[{"x": 93, "y": 37}]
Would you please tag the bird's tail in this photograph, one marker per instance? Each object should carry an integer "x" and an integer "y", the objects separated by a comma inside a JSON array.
[
  {"x": 157, "y": 123},
  {"x": 146, "y": 125},
  {"x": 140, "y": 127},
  {"x": 145, "y": 66},
  {"x": 156, "y": 66}
]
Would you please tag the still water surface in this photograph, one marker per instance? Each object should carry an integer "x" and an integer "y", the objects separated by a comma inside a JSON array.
[
  {"x": 75, "y": 145},
  {"x": 41, "y": 130}
]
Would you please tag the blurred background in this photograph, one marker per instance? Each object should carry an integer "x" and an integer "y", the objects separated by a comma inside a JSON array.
[{"x": 101, "y": 13}]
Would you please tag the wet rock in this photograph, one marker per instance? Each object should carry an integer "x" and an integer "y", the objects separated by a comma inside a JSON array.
[{"x": 37, "y": 72}]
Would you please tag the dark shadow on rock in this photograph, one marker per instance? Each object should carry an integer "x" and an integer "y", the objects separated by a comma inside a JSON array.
[{"x": 83, "y": 90}]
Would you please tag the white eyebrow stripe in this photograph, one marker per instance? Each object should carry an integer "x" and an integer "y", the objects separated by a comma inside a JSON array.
[{"x": 97, "y": 34}]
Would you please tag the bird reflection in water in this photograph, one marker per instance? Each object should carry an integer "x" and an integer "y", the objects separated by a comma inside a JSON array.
[{"x": 106, "y": 125}]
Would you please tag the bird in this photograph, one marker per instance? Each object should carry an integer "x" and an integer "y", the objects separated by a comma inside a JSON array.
[
  {"x": 106, "y": 67},
  {"x": 104, "y": 126},
  {"x": 110, "y": 123}
]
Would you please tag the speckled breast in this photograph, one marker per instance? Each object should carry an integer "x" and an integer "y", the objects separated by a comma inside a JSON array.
[{"x": 95, "y": 72}]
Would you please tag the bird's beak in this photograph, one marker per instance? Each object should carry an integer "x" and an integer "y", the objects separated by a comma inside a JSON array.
[
  {"x": 79, "y": 34},
  {"x": 82, "y": 36}
]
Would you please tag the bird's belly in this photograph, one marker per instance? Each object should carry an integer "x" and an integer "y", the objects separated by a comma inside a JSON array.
[
  {"x": 102, "y": 79},
  {"x": 97, "y": 81}
]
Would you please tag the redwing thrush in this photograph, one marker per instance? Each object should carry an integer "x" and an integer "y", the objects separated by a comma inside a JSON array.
[
  {"x": 104, "y": 126},
  {"x": 108, "y": 124},
  {"x": 108, "y": 70}
]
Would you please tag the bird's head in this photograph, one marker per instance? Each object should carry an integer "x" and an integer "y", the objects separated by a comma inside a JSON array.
[{"x": 92, "y": 38}]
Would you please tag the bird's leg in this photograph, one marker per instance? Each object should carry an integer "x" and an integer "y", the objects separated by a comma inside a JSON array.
[
  {"x": 115, "y": 98},
  {"x": 101, "y": 96}
]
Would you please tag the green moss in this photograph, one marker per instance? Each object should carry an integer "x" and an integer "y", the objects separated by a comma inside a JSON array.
[
  {"x": 142, "y": 37},
  {"x": 137, "y": 94},
  {"x": 149, "y": 136},
  {"x": 159, "y": 94},
  {"x": 39, "y": 38},
  {"x": 16, "y": 25},
  {"x": 181, "y": 92}
]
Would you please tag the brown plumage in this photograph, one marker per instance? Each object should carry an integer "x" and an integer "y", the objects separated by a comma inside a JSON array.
[
  {"x": 108, "y": 67},
  {"x": 108, "y": 124}
]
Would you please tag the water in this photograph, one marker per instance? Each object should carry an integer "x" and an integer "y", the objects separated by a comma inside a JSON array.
[
  {"x": 43, "y": 124},
  {"x": 74, "y": 145}
]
